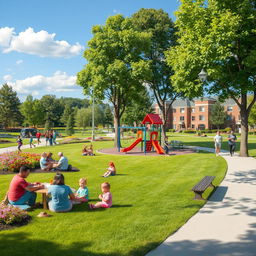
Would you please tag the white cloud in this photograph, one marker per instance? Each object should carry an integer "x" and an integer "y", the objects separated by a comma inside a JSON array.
[
  {"x": 18, "y": 62},
  {"x": 7, "y": 78},
  {"x": 39, "y": 43},
  {"x": 6, "y": 34},
  {"x": 59, "y": 82}
]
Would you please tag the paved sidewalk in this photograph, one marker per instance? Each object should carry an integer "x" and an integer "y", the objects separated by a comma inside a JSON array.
[
  {"x": 15, "y": 148},
  {"x": 226, "y": 225}
]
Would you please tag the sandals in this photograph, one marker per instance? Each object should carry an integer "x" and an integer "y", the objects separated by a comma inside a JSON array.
[{"x": 43, "y": 214}]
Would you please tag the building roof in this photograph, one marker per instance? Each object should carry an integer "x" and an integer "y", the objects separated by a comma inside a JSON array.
[{"x": 152, "y": 119}]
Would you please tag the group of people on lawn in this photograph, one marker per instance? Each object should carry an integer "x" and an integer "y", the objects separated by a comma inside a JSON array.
[{"x": 62, "y": 197}]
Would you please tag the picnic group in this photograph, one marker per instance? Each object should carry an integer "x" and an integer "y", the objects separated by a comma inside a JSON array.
[
  {"x": 61, "y": 197},
  {"x": 50, "y": 139}
]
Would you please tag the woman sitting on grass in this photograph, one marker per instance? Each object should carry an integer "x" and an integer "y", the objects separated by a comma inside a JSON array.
[
  {"x": 44, "y": 163},
  {"x": 90, "y": 151},
  {"x": 85, "y": 151},
  {"x": 61, "y": 195},
  {"x": 105, "y": 197}
]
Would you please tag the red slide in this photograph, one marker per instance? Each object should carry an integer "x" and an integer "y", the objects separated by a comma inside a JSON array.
[
  {"x": 157, "y": 147},
  {"x": 132, "y": 146}
]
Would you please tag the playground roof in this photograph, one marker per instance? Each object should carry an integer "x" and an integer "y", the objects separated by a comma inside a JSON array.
[{"x": 152, "y": 119}]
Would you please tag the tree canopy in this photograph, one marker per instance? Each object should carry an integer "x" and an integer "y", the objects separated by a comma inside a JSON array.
[
  {"x": 9, "y": 106},
  {"x": 219, "y": 36},
  {"x": 115, "y": 69}
]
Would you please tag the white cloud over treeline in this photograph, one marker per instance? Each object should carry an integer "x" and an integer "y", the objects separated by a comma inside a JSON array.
[
  {"x": 39, "y": 43},
  {"x": 58, "y": 82}
]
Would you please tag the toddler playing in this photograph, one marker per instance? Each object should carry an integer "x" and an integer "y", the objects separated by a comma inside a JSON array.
[
  {"x": 82, "y": 194},
  {"x": 111, "y": 170},
  {"x": 105, "y": 197}
]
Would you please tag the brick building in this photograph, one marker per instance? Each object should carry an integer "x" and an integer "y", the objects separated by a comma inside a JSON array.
[{"x": 195, "y": 114}]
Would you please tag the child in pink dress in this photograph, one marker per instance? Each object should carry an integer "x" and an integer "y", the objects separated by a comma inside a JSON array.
[{"x": 105, "y": 197}]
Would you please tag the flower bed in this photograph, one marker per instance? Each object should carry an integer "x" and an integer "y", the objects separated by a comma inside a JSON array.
[
  {"x": 11, "y": 162},
  {"x": 12, "y": 216}
]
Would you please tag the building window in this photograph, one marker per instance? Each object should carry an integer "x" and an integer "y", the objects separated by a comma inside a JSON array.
[
  {"x": 174, "y": 118},
  {"x": 193, "y": 110},
  {"x": 193, "y": 126},
  {"x": 201, "y": 127},
  {"x": 182, "y": 110},
  {"x": 201, "y": 118},
  {"x": 174, "y": 110},
  {"x": 193, "y": 118},
  {"x": 229, "y": 108},
  {"x": 201, "y": 109},
  {"x": 174, "y": 126},
  {"x": 229, "y": 117},
  {"x": 182, "y": 118}
]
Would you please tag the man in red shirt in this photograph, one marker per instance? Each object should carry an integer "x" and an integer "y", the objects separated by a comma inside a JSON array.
[
  {"x": 20, "y": 191},
  {"x": 38, "y": 135}
]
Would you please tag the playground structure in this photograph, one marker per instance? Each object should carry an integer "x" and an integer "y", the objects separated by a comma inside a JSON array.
[{"x": 147, "y": 135}]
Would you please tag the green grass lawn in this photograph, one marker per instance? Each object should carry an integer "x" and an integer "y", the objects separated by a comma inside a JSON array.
[{"x": 151, "y": 199}]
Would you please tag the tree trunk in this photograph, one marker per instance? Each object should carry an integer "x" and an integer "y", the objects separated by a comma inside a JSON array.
[
  {"x": 244, "y": 133},
  {"x": 116, "y": 125}
]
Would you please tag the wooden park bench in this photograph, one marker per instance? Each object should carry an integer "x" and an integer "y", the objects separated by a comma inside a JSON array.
[
  {"x": 176, "y": 144},
  {"x": 202, "y": 185}
]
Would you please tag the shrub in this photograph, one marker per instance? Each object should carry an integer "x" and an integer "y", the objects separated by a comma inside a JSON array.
[
  {"x": 12, "y": 161},
  {"x": 12, "y": 215},
  {"x": 189, "y": 131}
]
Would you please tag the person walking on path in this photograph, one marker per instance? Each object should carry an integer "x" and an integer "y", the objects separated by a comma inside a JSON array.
[
  {"x": 31, "y": 141},
  {"x": 38, "y": 136},
  {"x": 54, "y": 136},
  {"x": 232, "y": 142},
  {"x": 46, "y": 137},
  {"x": 19, "y": 141},
  {"x": 217, "y": 141}
]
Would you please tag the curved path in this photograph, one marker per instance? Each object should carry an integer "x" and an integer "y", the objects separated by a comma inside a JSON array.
[
  {"x": 26, "y": 146},
  {"x": 226, "y": 225}
]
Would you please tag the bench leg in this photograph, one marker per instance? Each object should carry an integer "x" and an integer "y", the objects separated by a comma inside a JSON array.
[{"x": 198, "y": 196}]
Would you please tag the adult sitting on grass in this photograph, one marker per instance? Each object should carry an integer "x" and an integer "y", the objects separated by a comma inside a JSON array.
[
  {"x": 62, "y": 164},
  {"x": 20, "y": 191},
  {"x": 44, "y": 164},
  {"x": 61, "y": 195}
]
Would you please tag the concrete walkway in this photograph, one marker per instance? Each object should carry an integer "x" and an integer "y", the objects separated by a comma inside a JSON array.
[
  {"x": 226, "y": 225},
  {"x": 15, "y": 148}
]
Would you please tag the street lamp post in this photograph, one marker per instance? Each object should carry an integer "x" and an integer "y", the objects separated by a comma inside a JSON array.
[
  {"x": 203, "y": 75},
  {"x": 93, "y": 135}
]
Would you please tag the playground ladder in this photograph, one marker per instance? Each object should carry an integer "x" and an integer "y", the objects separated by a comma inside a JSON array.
[{"x": 148, "y": 145}]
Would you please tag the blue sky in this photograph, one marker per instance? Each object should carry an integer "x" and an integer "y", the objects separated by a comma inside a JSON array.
[{"x": 42, "y": 41}]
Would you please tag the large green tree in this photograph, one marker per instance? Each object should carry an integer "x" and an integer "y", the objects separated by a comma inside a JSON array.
[
  {"x": 161, "y": 27},
  {"x": 67, "y": 112},
  {"x": 137, "y": 110},
  {"x": 32, "y": 111},
  {"x": 219, "y": 36},
  {"x": 218, "y": 115},
  {"x": 9, "y": 106},
  {"x": 115, "y": 69},
  {"x": 53, "y": 109}
]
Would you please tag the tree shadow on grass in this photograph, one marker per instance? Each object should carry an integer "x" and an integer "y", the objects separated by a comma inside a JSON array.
[{"x": 22, "y": 244}]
